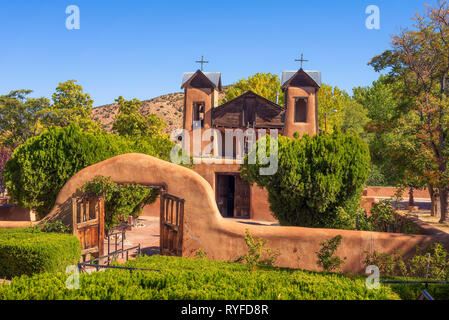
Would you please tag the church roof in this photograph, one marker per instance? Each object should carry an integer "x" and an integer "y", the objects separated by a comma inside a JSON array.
[
  {"x": 314, "y": 74},
  {"x": 214, "y": 77},
  {"x": 248, "y": 109}
]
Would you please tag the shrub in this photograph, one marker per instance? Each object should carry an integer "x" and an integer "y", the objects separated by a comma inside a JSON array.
[
  {"x": 385, "y": 218},
  {"x": 258, "y": 254},
  {"x": 431, "y": 263},
  {"x": 41, "y": 166},
  {"x": 319, "y": 181},
  {"x": 121, "y": 200},
  {"x": 196, "y": 279},
  {"x": 326, "y": 256},
  {"x": 55, "y": 226},
  {"x": 382, "y": 216},
  {"x": 28, "y": 251},
  {"x": 388, "y": 264}
]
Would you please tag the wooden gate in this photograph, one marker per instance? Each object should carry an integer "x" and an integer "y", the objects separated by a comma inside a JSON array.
[
  {"x": 172, "y": 217},
  {"x": 88, "y": 223}
]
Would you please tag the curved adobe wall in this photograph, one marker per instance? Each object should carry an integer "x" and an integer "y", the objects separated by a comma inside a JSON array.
[{"x": 223, "y": 239}]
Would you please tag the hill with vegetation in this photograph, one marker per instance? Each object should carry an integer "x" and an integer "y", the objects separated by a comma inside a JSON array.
[{"x": 168, "y": 107}]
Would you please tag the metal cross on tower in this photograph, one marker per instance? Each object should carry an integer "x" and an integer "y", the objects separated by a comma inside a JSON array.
[
  {"x": 301, "y": 60},
  {"x": 202, "y": 61}
]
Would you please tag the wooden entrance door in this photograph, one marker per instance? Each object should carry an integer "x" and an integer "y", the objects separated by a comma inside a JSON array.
[
  {"x": 241, "y": 198},
  {"x": 172, "y": 217},
  {"x": 225, "y": 193},
  {"x": 88, "y": 223}
]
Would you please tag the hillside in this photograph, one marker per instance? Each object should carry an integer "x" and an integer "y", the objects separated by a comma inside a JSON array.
[{"x": 169, "y": 107}]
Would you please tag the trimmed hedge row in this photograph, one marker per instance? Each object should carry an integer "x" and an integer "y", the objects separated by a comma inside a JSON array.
[
  {"x": 29, "y": 251},
  {"x": 184, "y": 278}
]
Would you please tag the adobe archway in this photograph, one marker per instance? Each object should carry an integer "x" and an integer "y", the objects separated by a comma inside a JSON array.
[{"x": 223, "y": 239}]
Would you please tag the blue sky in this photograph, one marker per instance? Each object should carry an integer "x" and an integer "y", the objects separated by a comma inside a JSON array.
[{"x": 139, "y": 49}]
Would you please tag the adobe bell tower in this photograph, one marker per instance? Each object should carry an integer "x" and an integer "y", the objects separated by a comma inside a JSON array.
[
  {"x": 301, "y": 104},
  {"x": 201, "y": 91},
  {"x": 200, "y": 97}
]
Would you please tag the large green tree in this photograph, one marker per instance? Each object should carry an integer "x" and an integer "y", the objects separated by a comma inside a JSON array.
[
  {"x": 332, "y": 102},
  {"x": 130, "y": 122},
  {"x": 40, "y": 167},
  {"x": 419, "y": 59},
  {"x": 266, "y": 85},
  {"x": 382, "y": 106},
  {"x": 319, "y": 180},
  {"x": 70, "y": 105},
  {"x": 20, "y": 117}
]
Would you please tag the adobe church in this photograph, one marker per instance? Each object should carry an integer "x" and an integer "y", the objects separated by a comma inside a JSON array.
[{"x": 234, "y": 196}]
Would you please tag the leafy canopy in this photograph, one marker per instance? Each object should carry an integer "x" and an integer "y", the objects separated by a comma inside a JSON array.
[
  {"x": 70, "y": 105},
  {"x": 41, "y": 166},
  {"x": 130, "y": 122},
  {"x": 419, "y": 60},
  {"x": 319, "y": 180},
  {"x": 266, "y": 85},
  {"x": 20, "y": 117}
]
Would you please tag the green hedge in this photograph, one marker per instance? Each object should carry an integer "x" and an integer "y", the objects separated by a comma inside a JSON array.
[
  {"x": 318, "y": 182},
  {"x": 184, "y": 278},
  {"x": 40, "y": 167},
  {"x": 29, "y": 251}
]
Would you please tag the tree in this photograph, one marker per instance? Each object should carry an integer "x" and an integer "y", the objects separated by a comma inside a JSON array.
[
  {"x": 331, "y": 99},
  {"x": 20, "y": 117},
  {"x": 40, "y": 167},
  {"x": 419, "y": 58},
  {"x": 355, "y": 118},
  {"x": 266, "y": 85},
  {"x": 130, "y": 122},
  {"x": 70, "y": 105},
  {"x": 382, "y": 106},
  {"x": 343, "y": 113},
  {"x": 319, "y": 180},
  {"x": 5, "y": 155}
]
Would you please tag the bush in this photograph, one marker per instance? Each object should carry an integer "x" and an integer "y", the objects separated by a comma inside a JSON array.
[
  {"x": 258, "y": 254},
  {"x": 319, "y": 181},
  {"x": 326, "y": 256},
  {"x": 28, "y": 251},
  {"x": 121, "y": 200},
  {"x": 55, "y": 226},
  {"x": 196, "y": 279},
  {"x": 41, "y": 166},
  {"x": 431, "y": 263},
  {"x": 385, "y": 218}
]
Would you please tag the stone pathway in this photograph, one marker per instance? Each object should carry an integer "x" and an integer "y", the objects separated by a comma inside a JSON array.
[{"x": 424, "y": 215}]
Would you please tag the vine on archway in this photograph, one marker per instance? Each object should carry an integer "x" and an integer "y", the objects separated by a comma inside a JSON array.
[{"x": 121, "y": 200}]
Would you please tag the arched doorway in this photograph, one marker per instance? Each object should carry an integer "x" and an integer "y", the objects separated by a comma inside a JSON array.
[{"x": 88, "y": 225}]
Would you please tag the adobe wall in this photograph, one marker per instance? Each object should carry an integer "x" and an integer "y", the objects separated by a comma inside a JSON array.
[
  {"x": 152, "y": 210},
  {"x": 223, "y": 239},
  {"x": 11, "y": 212},
  {"x": 387, "y": 192}
]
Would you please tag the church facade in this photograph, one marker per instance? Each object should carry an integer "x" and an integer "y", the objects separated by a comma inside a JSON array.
[{"x": 218, "y": 157}]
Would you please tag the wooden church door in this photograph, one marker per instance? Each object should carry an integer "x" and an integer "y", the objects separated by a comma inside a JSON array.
[{"x": 242, "y": 198}]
